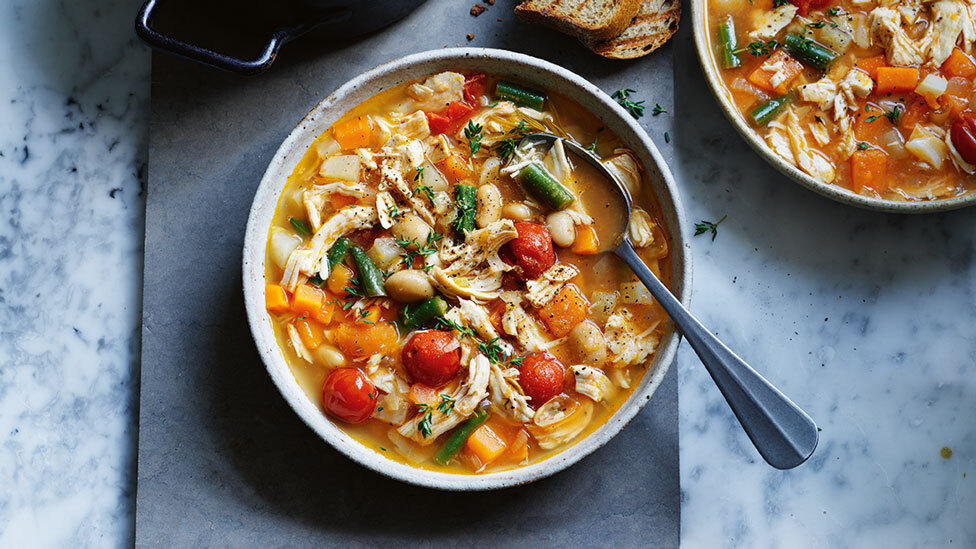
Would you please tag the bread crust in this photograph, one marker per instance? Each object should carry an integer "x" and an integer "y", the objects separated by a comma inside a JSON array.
[
  {"x": 655, "y": 24},
  {"x": 549, "y": 16}
]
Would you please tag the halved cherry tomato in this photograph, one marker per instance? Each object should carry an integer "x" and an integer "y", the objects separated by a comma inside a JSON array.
[
  {"x": 531, "y": 252},
  {"x": 348, "y": 395},
  {"x": 474, "y": 87},
  {"x": 432, "y": 357},
  {"x": 963, "y": 135},
  {"x": 541, "y": 377}
]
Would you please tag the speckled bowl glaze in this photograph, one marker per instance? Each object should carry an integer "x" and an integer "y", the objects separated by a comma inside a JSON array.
[
  {"x": 543, "y": 74},
  {"x": 703, "y": 42}
]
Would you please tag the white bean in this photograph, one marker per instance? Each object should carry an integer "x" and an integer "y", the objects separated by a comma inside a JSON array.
[
  {"x": 489, "y": 201},
  {"x": 516, "y": 211},
  {"x": 409, "y": 286},
  {"x": 411, "y": 228},
  {"x": 588, "y": 342},
  {"x": 562, "y": 228},
  {"x": 329, "y": 356}
]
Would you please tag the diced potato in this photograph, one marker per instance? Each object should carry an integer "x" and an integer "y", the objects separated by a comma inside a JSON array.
[
  {"x": 931, "y": 88},
  {"x": 929, "y": 149},
  {"x": 283, "y": 242},
  {"x": 346, "y": 167},
  {"x": 385, "y": 252}
]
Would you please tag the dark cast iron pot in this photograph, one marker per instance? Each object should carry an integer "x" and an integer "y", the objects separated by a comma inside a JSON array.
[{"x": 281, "y": 22}]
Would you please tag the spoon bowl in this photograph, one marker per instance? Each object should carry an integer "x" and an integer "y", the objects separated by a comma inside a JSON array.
[{"x": 784, "y": 435}]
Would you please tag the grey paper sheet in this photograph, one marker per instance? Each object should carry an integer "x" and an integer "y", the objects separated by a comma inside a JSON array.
[{"x": 222, "y": 459}]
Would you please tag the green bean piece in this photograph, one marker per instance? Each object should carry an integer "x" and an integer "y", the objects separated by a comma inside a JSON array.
[
  {"x": 543, "y": 187},
  {"x": 460, "y": 436},
  {"x": 337, "y": 253},
  {"x": 762, "y": 114},
  {"x": 423, "y": 314},
  {"x": 520, "y": 96},
  {"x": 464, "y": 199},
  {"x": 300, "y": 226},
  {"x": 812, "y": 53},
  {"x": 727, "y": 44},
  {"x": 370, "y": 277}
]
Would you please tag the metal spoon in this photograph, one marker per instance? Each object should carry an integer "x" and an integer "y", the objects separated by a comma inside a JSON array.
[{"x": 784, "y": 435}]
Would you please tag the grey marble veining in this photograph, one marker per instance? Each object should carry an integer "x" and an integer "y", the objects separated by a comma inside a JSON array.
[
  {"x": 865, "y": 319},
  {"x": 73, "y": 111}
]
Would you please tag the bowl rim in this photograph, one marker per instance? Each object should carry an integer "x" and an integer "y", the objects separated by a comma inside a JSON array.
[
  {"x": 699, "y": 24},
  {"x": 327, "y": 111}
]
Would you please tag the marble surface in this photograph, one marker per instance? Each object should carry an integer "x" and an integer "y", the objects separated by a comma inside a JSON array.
[{"x": 865, "y": 319}]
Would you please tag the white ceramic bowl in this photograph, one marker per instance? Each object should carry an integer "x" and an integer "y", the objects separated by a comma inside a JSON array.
[{"x": 543, "y": 74}]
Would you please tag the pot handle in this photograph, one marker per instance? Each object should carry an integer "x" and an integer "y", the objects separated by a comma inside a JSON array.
[{"x": 171, "y": 45}]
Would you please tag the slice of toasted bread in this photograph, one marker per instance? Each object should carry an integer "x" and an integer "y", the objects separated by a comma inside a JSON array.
[
  {"x": 585, "y": 19},
  {"x": 655, "y": 24}
]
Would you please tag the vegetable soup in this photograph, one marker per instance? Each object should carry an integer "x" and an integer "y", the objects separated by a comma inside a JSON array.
[
  {"x": 443, "y": 293},
  {"x": 875, "y": 96}
]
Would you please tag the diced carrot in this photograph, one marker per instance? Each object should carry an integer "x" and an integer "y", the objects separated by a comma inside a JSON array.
[
  {"x": 308, "y": 300},
  {"x": 486, "y": 444},
  {"x": 959, "y": 64},
  {"x": 871, "y": 124},
  {"x": 564, "y": 311},
  {"x": 340, "y": 279},
  {"x": 869, "y": 170},
  {"x": 310, "y": 331},
  {"x": 586, "y": 242},
  {"x": 761, "y": 77},
  {"x": 896, "y": 79},
  {"x": 423, "y": 394},
  {"x": 362, "y": 340},
  {"x": 455, "y": 168},
  {"x": 339, "y": 201},
  {"x": 915, "y": 111},
  {"x": 369, "y": 315},
  {"x": 354, "y": 133},
  {"x": 518, "y": 448},
  {"x": 276, "y": 299},
  {"x": 871, "y": 65}
]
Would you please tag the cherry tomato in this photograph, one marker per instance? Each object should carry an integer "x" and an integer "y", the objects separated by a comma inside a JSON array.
[
  {"x": 808, "y": 5},
  {"x": 348, "y": 395},
  {"x": 963, "y": 136},
  {"x": 531, "y": 252},
  {"x": 541, "y": 377},
  {"x": 432, "y": 357},
  {"x": 474, "y": 87}
]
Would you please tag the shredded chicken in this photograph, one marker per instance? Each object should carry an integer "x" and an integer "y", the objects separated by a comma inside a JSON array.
[
  {"x": 948, "y": 20},
  {"x": 315, "y": 197},
  {"x": 625, "y": 344},
  {"x": 591, "y": 381},
  {"x": 414, "y": 126},
  {"x": 437, "y": 91},
  {"x": 392, "y": 176},
  {"x": 476, "y": 317},
  {"x": 386, "y": 209},
  {"x": 516, "y": 322},
  {"x": 473, "y": 269},
  {"x": 308, "y": 260},
  {"x": 507, "y": 395},
  {"x": 466, "y": 398},
  {"x": 769, "y": 23},
  {"x": 886, "y": 29},
  {"x": 296, "y": 342},
  {"x": 541, "y": 290},
  {"x": 809, "y": 159}
]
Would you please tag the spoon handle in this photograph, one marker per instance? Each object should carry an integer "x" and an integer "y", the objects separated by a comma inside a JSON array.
[{"x": 783, "y": 433}]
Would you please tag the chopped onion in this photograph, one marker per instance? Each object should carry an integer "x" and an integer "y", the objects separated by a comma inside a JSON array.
[
  {"x": 635, "y": 293},
  {"x": 931, "y": 88},
  {"x": 385, "y": 252},
  {"x": 894, "y": 143},
  {"x": 433, "y": 178},
  {"x": 601, "y": 306},
  {"x": 345, "y": 167}
]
